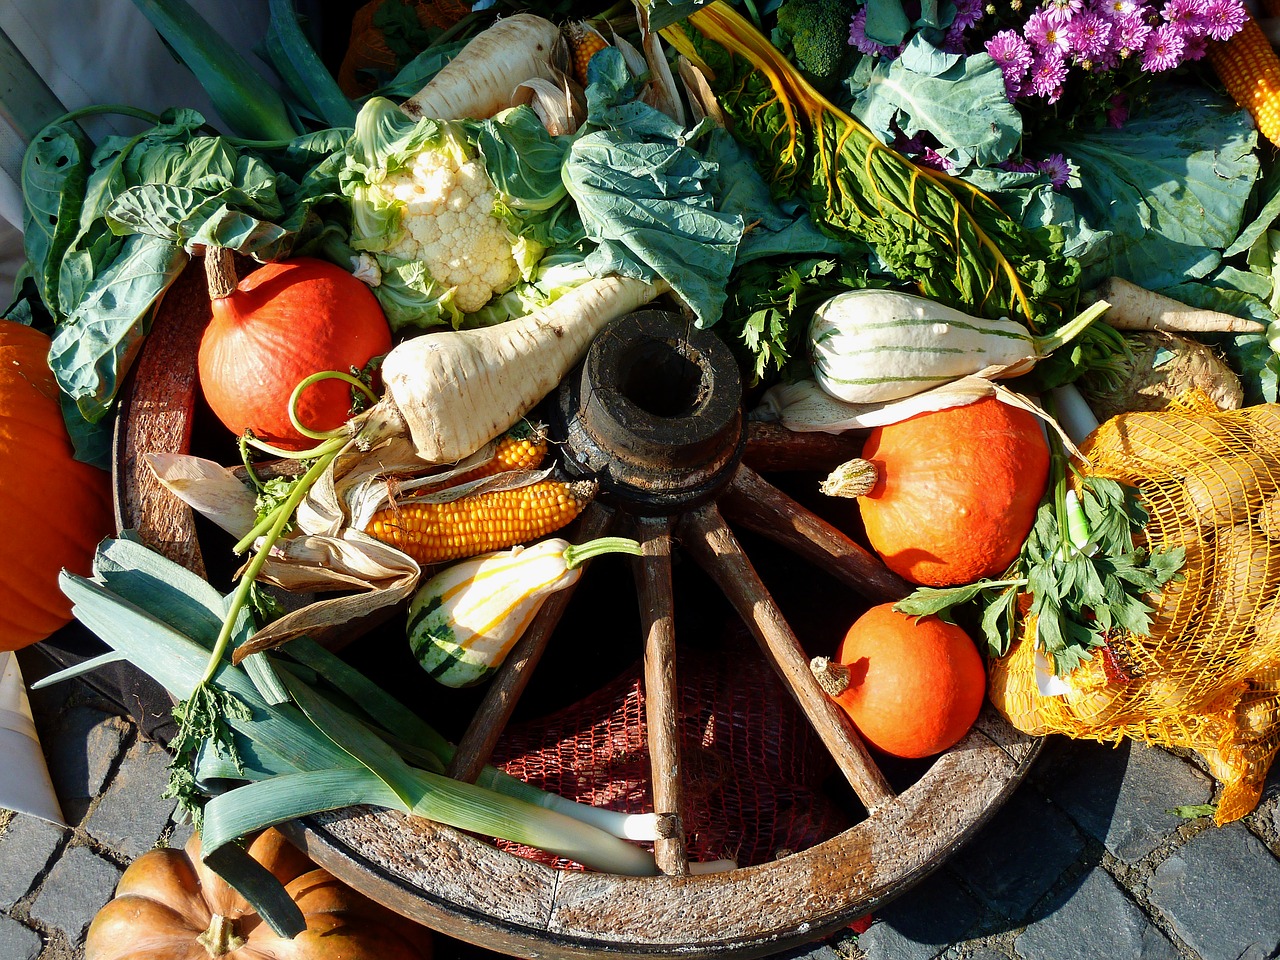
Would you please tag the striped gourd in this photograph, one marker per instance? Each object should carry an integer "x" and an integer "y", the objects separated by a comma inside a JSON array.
[
  {"x": 871, "y": 346},
  {"x": 464, "y": 621}
]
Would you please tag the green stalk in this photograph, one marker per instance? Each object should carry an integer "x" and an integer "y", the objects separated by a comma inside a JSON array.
[
  {"x": 295, "y": 60},
  {"x": 1071, "y": 329},
  {"x": 240, "y": 94},
  {"x": 577, "y": 553}
]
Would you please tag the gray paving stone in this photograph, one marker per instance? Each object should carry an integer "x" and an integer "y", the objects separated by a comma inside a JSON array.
[
  {"x": 1120, "y": 795},
  {"x": 77, "y": 887},
  {"x": 1220, "y": 892},
  {"x": 82, "y": 750},
  {"x": 1019, "y": 855},
  {"x": 1095, "y": 918},
  {"x": 132, "y": 813},
  {"x": 26, "y": 846},
  {"x": 18, "y": 942},
  {"x": 923, "y": 923}
]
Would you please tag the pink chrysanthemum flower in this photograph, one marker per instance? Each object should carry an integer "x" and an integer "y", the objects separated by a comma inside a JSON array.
[
  {"x": 1186, "y": 15},
  {"x": 968, "y": 13},
  {"x": 1043, "y": 34},
  {"x": 858, "y": 37},
  {"x": 1223, "y": 18},
  {"x": 1117, "y": 9},
  {"x": 1062, "y": 11},
  {"x": 1017, "y": 166},
  {"x": 1047, "y": 75},
  {"x": 1194, "y": 48},
  {"x": 1011, "y": 51},
  {"x": 1058, "y": 169},
  {"x": 1130, "y": 35},
  {"x": 1163, "y": 49},
  {"x": 1090, "y": 36}
]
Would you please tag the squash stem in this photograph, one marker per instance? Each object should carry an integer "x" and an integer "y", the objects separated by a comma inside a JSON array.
[
  {"x": 220, "y": 272},
  {"x": 221, "y": 938},
  {"x": 832, "y": 676},
  {"x": 575, "y": 554},
  {"x": 1071, "y": 329}
]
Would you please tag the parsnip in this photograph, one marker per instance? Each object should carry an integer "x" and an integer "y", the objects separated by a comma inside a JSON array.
[
  {"x": 457, "y": 389},
  {"x": 482, "y": 79},
  {"x": 1136, "y": 308}
]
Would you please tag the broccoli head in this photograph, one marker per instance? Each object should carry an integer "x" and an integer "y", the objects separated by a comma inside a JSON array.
[{"x": 818, "y": 31}]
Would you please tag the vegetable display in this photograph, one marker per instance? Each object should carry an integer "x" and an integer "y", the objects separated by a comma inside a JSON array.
[{"x": 58, "y": 508}]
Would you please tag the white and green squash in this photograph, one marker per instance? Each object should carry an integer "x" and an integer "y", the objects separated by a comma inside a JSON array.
[
  {"x": 464, "y": 621},
  {"x": 872, "y": 346}
]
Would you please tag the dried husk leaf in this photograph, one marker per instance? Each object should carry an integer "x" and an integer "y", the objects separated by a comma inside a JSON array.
[{"x": 559, "y": 110}]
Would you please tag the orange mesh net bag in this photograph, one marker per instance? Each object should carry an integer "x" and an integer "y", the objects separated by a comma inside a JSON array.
[{"x": 1207, "y": 677}]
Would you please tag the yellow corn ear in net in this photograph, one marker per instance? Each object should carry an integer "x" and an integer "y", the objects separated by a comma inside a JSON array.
[{"x": 1207, "y": 677}]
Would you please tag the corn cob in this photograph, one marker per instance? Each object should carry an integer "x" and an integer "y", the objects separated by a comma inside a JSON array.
[
  {"x": 585, "y": 41},
  {"x": 438, "y": 532},
  {"x": 1248, "y": 67},
  {"x": 521, "y": 448}
]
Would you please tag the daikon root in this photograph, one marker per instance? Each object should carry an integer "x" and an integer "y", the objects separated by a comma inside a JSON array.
[
  {"x": 482, "y": 79},
  {"x": 1136, "y": 308}
]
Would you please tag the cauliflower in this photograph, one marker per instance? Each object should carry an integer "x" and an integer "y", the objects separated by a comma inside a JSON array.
[
  {"x": 425, "y": 206},
  {"x": 448, "y": 225}
]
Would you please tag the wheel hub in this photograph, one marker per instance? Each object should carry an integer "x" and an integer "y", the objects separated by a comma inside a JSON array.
[{"x": 654, "y": 413}]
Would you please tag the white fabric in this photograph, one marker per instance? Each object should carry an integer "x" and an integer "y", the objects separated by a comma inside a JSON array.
[
  {"x": 25, "y": 786},
  {"x": 104, "y": 51}
]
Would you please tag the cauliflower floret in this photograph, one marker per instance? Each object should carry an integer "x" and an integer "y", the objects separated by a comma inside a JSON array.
[{"x": 449, "y": 226}]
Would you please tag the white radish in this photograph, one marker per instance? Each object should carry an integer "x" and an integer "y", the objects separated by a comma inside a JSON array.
[
  {"x": 457, "y": 389},
  {"x": 1137, "y": 308},
  {"x": 482, "y": 79}
]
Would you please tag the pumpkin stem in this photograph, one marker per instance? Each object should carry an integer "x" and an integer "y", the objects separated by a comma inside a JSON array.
[
  {"x": 852, "y": 479},
  {"x": 832, "y": 676},
  {"x": 221, "y": 937},
  {"x": 220, "y": 272}
]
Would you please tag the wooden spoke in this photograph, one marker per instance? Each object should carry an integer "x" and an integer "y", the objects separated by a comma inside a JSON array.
[
  {"x": 771, "y": 446},
  {"x": 506, "y": 686},
  {"x": 706, "y": 536},
  {"x": 653, "y": 584},
  {"x": 759, "y": 506}
]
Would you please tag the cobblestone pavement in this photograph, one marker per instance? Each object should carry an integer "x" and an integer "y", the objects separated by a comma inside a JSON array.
[{"x": 1084, "y": 862}]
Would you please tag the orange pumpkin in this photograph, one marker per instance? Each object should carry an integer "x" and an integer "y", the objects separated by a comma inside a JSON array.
[
  {"x": 56, "y": 508},
  {"x": 170, "y": 906},
  {"x": 272, "y": 330},
  {"x": 912, "y": 686},
  {"x": 955, "y": 491}
]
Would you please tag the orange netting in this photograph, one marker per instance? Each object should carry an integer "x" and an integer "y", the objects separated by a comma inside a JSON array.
[
  {"x": 1207, "y": 677},
  {"x": 368, "y": 51},
  {"x": 752, "y": 767}
]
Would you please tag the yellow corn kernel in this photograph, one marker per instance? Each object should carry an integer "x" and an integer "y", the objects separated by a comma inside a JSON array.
[
  {"x": 585, "y": 41},
  {"x": 438, "y": 532},
  {"x": 523, "y": 447},
  {"x": 1248, "y": 67}
]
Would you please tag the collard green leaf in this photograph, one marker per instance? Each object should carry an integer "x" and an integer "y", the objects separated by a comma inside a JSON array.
[
  {"x": 960, "y": 100},
  {"x": 93, "y": 349},
  {"x": 54, "y": 174},
  {"x": 1171, "y": 186}
]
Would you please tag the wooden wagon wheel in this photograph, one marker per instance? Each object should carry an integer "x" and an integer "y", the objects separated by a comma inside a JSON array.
[{"x": 654, "y": 413}]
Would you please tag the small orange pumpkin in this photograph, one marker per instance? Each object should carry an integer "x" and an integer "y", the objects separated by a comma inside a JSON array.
[
  {"x": 170, "y": 906},
  {"x": 948, "y": 497},
  {"x": 913, "y": 686},
  {"x": 56, "y": 508}
]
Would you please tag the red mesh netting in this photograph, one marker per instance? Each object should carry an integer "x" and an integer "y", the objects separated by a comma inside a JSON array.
[{"x": 752, "y": 766}]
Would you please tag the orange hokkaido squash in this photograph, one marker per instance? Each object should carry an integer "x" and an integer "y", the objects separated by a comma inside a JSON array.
[
  {"x": 170, "y": 906},
  {"x": 56, "y": 508},
  {"x": 272, "y": 330},
  {"x": 948, "y": 497},
  {"x": 912, "y": 686}
]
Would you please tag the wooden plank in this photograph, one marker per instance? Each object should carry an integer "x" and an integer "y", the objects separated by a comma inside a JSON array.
[
  {"x": 156, "y": 409},
  {"x": 713, "y": 545},
  {"x": 757, "y": 505},
  {"x": 662, "y": 718}
]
